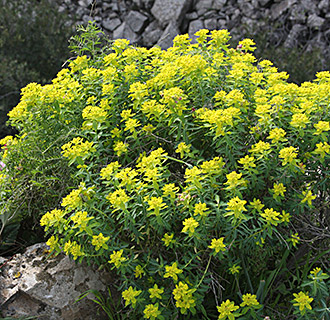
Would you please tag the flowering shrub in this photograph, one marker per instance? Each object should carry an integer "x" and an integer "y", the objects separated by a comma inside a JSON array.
[{"x": 197, "y": 169}]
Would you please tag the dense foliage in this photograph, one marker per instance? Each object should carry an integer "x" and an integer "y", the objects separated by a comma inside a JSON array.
[{"x": 199, "y": 175}]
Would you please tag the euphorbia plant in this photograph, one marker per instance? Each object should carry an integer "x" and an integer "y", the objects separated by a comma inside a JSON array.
[{"x": 196, "y": 165}]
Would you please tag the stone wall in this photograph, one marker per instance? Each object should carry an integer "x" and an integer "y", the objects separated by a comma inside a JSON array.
[{"x": 289, "y": 23}]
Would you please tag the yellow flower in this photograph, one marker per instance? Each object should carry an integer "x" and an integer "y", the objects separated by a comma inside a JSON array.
[
  {"x": 278, "y": 190},
  {"x": 235, "y": 207},
  {"x": 201, "y": 209},
  {"x": 226, "y": 309},
  {"x": 189, "y": 226},
  {"x": 139, "y": 272},
  {"x": 202, "y": 35},
  {"x": 247, "y": 45},
  {"x": 115, "y": 133},
  {"x": 156, "y": 204},
  {"x": 183, "y": 297},
  {"x": 80, "y": 220},
  {"x": 156, "y": 292},
  {"x": 277, "y": 135},
  {"x": 302, "y": 300},
  {"x": 322, "y": 148},
  {"x": 219, "y": 38},
  {"x": 77, "y": 148},
  {"x": 94, "y": 113},
  {"x": 285, "y": 216},
  {"x": 299, "y": 121},
  {"x": 170, "y": 190},
  {"x": 107, "y": 172},
  {"x": 247, "y": 162},
  {"x": 151, "y": 311},
  {"x": 294, "y": 239},
  {"x": 126, "y": 114},
  {"x": 234, "y": 269},
  {"x": 249, "y": 300},
  {"x": 194, "y": 177},
  {"x": 213, "y": 166},
  {"x": 74, "y": 248},
  {"x": 182, "y": 149},
  {"x": 321, "y": 126},
  {"x": 54, "y": 218},
  {"x": 288, "y": 155},
  {"x": 256, "y": 204},
  {"x": 79, "y": 63},
  {"x": 260, "y": 148},
  {"x": 120, "y": 148},
  {"x": 308, "y": 197},
  {"x": 271, "y": 216},
  {"x": 172, "y": 271},
  {"x": 52, "y": 242},
  {"x": 130, "y": 295},
  {"x": 233, "y": 180},
  {"x": 118, "y": 199},
  {"x": 218, "y": 245},
  {"x": 318, "y": 272},
  {"x": 116, "y": 258},
  {"x": 100, "y": 242},
  {"x": 131, "y": 124},
  {"x": 168, "y": 239}
]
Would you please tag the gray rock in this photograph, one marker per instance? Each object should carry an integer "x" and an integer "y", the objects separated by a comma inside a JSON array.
[
  {"x": 315, "y": 21},
  {"x": 246, "y": 8},
  {"x": 191, "y": 16},
  {"x": 278, "y": 9},
  {"x": 211, "y": 24},
  {"x": 222, "y": 23},
  {"x": 219, "y": 4},
  {"x": 202, "y": 6},
  {"x": 136, "y": 21},
  {"x": 298, "y": 14},
  {"x": 166, "y": 11},
  {"x": 32, "y": 285},
  {"x": 171, "y": 31},
  {"x": 151, "y": 34},
  {"x": 147, "y": 4},
  {"x": 324, "y": 5},
  {"x": 111, "y": 24},
  {"x": 125, "y": 32},
  {"x": 85, "y": 3},
  {"x": 264, "y": 3},
  {"x": 292, "y": 39},
  {"x": 309, "y": 6},
  {"x": 194, "y": 26}
]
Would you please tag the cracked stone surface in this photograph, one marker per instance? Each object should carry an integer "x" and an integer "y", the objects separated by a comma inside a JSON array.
[{"x": 33, "y": 285}]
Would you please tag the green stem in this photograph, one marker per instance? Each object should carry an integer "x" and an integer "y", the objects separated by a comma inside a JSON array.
[
  {"x": 204, "y": 274},
  {"x": 181, "y": 161}
]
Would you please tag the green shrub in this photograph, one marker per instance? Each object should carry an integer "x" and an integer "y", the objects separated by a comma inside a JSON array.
[{"x": 199, "y": 177}]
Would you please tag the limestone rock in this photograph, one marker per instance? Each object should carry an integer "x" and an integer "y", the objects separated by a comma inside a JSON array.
[
  {"x": 278, "y": 9},
  {"x": 315, "y": 21},
  {"x": 111, "y": 24},
  {"x": 136, "y": 21},
  {"x": 218, "y": 4},
  {"x": 171, "y": 31},
  {"x": 32, "y": 285},
  {"x": 125, "y": 32},
  {"x": 166, "y": 11},
  {"x": 292, "y": 39},
  {"x": 202, "y": 6},
  {"x": 151, "y": 34}
]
